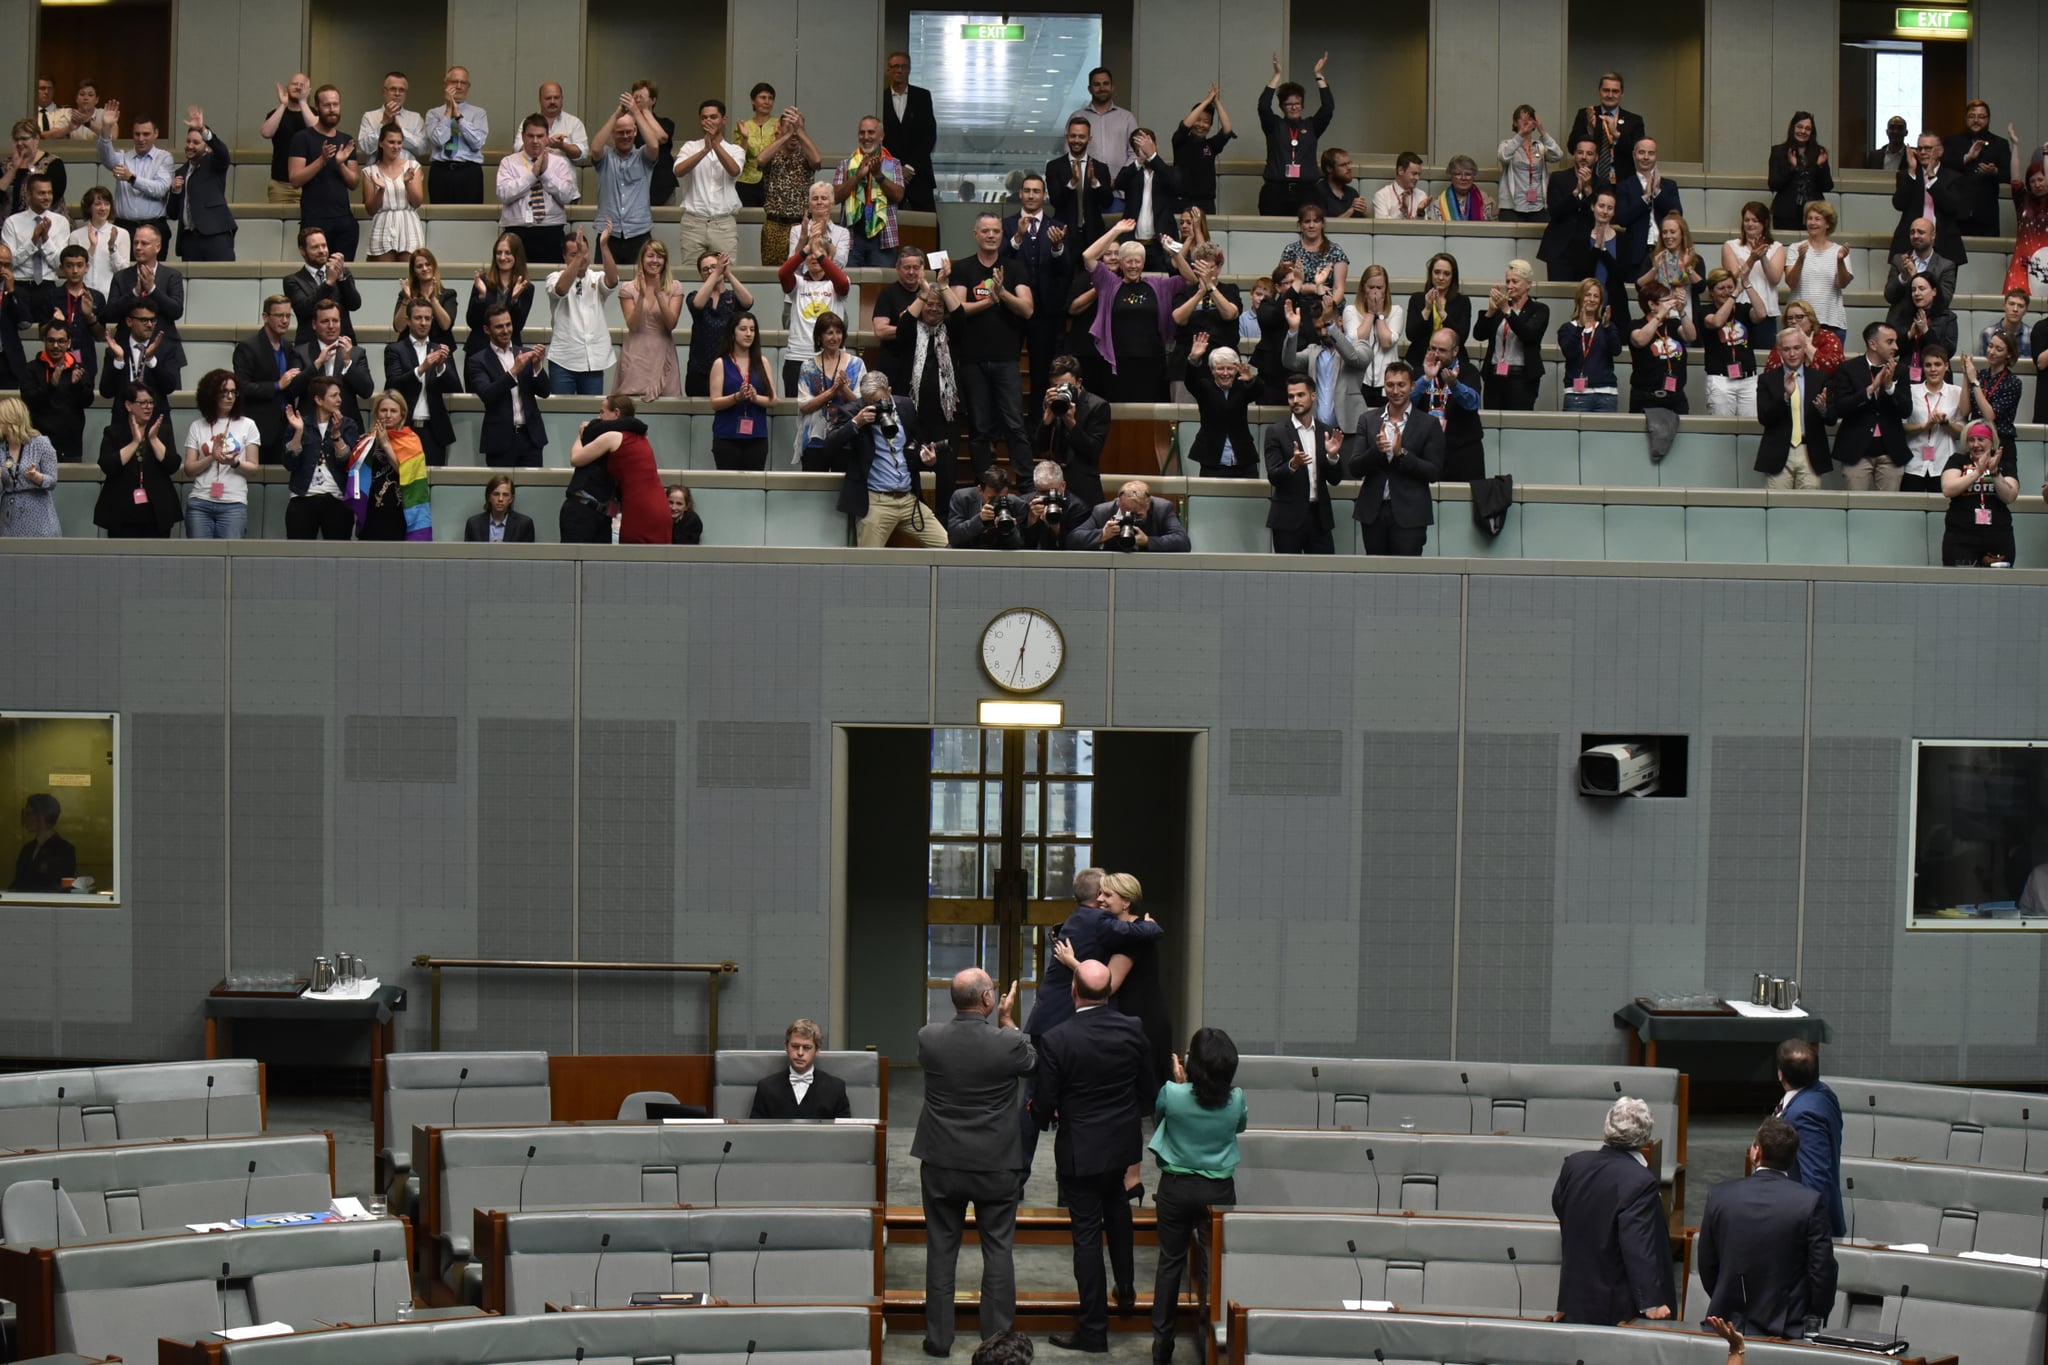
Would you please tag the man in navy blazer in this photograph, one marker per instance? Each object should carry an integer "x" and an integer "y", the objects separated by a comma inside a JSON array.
[
  {"x": 1094, "y": 1080},
  {"x": 513, "y": 433},
  {"x": 416, "y": 367},
  {"x": 1765, "y": 1256},
  {"x": 1617, "y": 1250},
  {"x": 1642, "y": 197},
  {"x": 1812, "y": 1109},
  {"x": 1037, "y": 241},
  {"x": 1302, "y": 461},
  {"x": 1399, "y": 453},
  {"x": 199, "y": 195}
]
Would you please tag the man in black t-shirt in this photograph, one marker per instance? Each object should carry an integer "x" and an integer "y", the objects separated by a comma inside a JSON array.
[
  {"x": 1334, "y": 191},
  {"x": 1196, "y": 144},
  {"x": 323, "y": 167},
  {"x": 280, "y": 126},
  {"x": 895, "y": 319},
  {"x": 988, "y": 340}
]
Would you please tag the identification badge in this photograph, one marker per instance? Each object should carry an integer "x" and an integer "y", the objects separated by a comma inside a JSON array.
[
  {"x": 1876, "y": 431},
  {"x": 1927, "y": 453},
  {"x": 141, "y": 498},
  {"x": 1293, "y": 171},
  {"x": 1671, "y": 383},
  {"x": 1578, "y": 386},
  {"x": 1983, "y": 516},
  {"x": 746, "y": 426},
  {"x": 1735, "y": 371},
  {"x": 217, "y": 490},
  {"x": 1500, "y": 367},
  {"x": 1914, "y": 373}
]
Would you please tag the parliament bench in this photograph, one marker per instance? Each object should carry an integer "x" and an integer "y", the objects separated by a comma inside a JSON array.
[
  {"x": 1958, "y": 1124},
  {"x": 131, "y": 1190},
  {"x": 752, "y": 1255},
  {"x": 1529, "y": 1100},
  {"x": 734, "y": 1074},
  {"x": 117, "y": 1298},
  {"x": 1980, "y": 1310},
  {"x": 1501, "y": 1177},
  {"x": 145, "y": 1102},
  {"x": 1952, "y": 1208},
  {"x": 422, "y": 1088}
]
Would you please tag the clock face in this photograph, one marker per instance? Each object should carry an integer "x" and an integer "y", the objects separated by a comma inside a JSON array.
[{"x": 1022, "y": 650}]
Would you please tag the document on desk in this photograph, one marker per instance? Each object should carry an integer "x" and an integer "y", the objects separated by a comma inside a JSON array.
[
  {"x": 261, "y": 1329},
  {"x": 2001, "y": 1257},
  {"x": 1367, "y": 1305}
]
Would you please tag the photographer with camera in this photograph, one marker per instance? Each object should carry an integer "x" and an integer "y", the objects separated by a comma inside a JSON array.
[
  {"x": 876, "y": 448},
  {"x": 987, "y": 516},
  {"x": 1073, "y": 428},
  {"x": 1134, "y": 521},
  {"x": 1050, "y": 508}
]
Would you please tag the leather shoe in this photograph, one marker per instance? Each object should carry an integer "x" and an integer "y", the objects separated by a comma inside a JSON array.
[
  {"x": 932, "y": 1350},
  {"x": 1126, "y": 1300},
  {"x": 1072, "y": 1341}
]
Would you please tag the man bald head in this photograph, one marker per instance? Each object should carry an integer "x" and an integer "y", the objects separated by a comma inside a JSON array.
[
  {"x": 1091, "y": 984},
  {"x": 973, "y": 992}
]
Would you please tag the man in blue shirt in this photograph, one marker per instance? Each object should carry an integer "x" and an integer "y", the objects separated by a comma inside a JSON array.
[
  {"x": 883, "y": 456},
  {"x": 142, "y": 177},
  {"x": 455, "y": 133},
  {"x": 624, "y": 175}
]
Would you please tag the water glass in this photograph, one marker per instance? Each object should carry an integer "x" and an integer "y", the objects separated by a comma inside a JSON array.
[
  {"x": 378, "y": 1205},
  {"x": 579, "y": 1300},
  {"x": 403, "y": 1311}
]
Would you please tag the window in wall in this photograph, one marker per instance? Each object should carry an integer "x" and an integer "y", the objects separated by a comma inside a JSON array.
[
  {"x": 1980, "y": 835},
  {"x": 1002, "y": 87},
  {"x": 965, "y": 848},
  {"x": 59, "y": 777}
]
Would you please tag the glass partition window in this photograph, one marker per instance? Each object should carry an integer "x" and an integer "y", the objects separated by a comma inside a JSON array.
[
  {"x": 1980, "y": 835},
  {"x": 61, "y": 776},
  {"x": 1002, "y": 86}
]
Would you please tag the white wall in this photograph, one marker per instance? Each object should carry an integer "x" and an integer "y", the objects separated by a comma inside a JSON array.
[
  {"x": 822, "y": 55},
  {"x": 1788, "y": 49},
  {"x": 1486, "y": 57},
  {"x": 401, "y": 35},
  {"x": 1180, "y": 46},
  {"x": 228, "y": 56}
]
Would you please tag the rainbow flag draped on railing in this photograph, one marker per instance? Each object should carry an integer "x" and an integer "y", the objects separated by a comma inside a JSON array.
[{"x": 413, "y": 492}]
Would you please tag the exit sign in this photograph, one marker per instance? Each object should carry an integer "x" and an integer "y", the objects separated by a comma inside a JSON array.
[
  {"x": 1002, "y": 33},
  {"x": 1937, "y": 23}
]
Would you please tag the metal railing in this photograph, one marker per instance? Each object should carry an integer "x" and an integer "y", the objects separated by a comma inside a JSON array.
[{"x": 712, "y": 972}]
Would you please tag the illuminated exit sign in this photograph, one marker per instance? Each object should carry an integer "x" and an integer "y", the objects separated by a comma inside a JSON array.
[
  {"x": 1014, "y": 33},
  {"x": 1934, "y": 23}
]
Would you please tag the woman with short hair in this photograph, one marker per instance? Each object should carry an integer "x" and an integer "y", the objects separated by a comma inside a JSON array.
[
  {"x": 1980, "y": 483},
  {"x": 1819, "y": 269},
  {"x": 1462, "y": 201},
  {"x": 1525, "y": 157},
  {"x": 1196, "y": 1118}
]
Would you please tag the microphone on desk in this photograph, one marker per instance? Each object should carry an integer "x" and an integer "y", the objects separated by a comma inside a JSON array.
[
  {"x": 455, "y": 1100},
  {"x": 376, "y": 1263},
  {"x": 524, "y": 1166},
  {"x": 719, "y": 1170},
  {"x": 1899, "y": 1318},
  {"x": 1352, "y": 1247},
  {"x": 1375, "y": 1180},
  {"x": 1617, "y": 1087},
  {"x": 579, "y": 1355},
  {"x": 60, "y": 1118},
  {"x": 1516, "y": 1266},
  {"x": 1379, "y": 1355},
  {"x": 1471, "y": 1115},
  {"x": 209, "y": 1106},
  {"x": 759, "y": 1247},
  {"x": 2026, "y": 1138},
  {"x": 603, "y": 1245},
  {"x": 1850, "y": 1181},
  {"x": 223, "y": 1296},
  {"x": 2041, "y": 1248},
  {"x": 57, "y": 1208},
  {"x": 248, "y": 1184},
  {"x": 750, "y": 1343},
  {"x": 1873, "y": 1127},
  {"x": 1315, "y": 1073}
]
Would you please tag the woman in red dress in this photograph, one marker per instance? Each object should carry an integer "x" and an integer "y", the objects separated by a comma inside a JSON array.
[
  {"x": 2029, "y": 268},
  {"x": 620, "y": 439}
]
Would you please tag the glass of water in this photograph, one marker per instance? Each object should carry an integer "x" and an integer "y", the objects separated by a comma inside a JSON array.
[{"x": 403, "y": 1311}]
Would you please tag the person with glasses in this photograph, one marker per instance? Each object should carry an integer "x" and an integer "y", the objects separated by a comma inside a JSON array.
[
  {"x": 137, "y": 500},
  {"x": 222, "y": 449}
]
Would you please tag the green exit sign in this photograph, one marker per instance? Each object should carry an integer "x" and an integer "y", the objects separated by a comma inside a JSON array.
[
  {"x": 1945, "y": 23},
  {"x": 992, "y": 33}
]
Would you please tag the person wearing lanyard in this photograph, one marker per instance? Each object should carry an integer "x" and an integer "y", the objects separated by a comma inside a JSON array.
[
  {"x": 1524, "y": 154},
  {"x": 1515, "y": 325},
  {"x": 1403, "y": 196},
  {"x": 317, "y": 457},
  {"x": 1933, "y": 423},
  {"x": 1657, "y": 351},
  {"x": 1980, "y": 483},
  {"x": 1291, "y": 154},
  {"x": 1590, "y": 343}
]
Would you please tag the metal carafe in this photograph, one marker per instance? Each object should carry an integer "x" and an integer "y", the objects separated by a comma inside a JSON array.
[
  {"x": 1784, "y": 994},
  {"x": 323, "y": 974},
  {"x": 1760, "y": 989}
]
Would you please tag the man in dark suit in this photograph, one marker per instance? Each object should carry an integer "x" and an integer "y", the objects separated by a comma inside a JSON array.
[
  {"x": 142, "y": 353},
  {"x": 806, "y": 1090},
  {"x": 910, "y": 130},
  {"x": 199, "y": 195},
  {"x": 987, "y": 516},
  {"x": 1134, "y": 522},
  {"x": 1078, "y": 186},
  {"x": 1870, "y": 397},
  {"x": 1073, "y": 427},
  {"x": 1613, "y": 130},
  {"x": 1037, "y": 243},
  {"x": 969, "y": 1148},
  {"x": 1398, "y": 455},
  {"x": 1919, "y": 258},
  {"x": 1570, "y": 195},
  {"x": 498, "y": 523},
  {"x": 1302, "y": 461},
  {"x": 1094, "y": 1074},
  {"x": 1984, "y": 160},
  {"x": 267, "y": 373},
  {"x": 1765, "y": 1256},
  {"x": 1891, "y": 156},
  {"x": 1792, "y": 407},
  {"x": 158, "y": 289},
  {"x": 1447, "y": 392},
  {"x": 333, "y": 353},
  {"x": 13, "y": 317},
  {"x": 510, "y": 387},
  {"x": 326, "y": 276},
  {"x": 423, "y": 373},
  {"x": 1814, "y": 1112},
  {"x": 1929, "y": 188},
  {"x": 1617, "y": 1252},
  {"x": 1643, "y": 196},
  {"x": 1149, "y": 171}
]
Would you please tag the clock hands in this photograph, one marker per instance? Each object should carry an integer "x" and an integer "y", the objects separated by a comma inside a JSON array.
[{"x": 1017, "y": 673}]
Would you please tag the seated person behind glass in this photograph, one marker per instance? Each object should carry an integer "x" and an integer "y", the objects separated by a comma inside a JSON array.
[
  {"x": 47, "y": 860},
  {"x": 803, "y": 1091},
  {"x": 1132, "y": 521},
  {"x": 2034, "y": 900},
  {"x": 987, "y": 516}
]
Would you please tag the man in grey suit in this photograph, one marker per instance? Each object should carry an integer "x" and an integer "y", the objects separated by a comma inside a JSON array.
[{"x": 971, "y": 1150}]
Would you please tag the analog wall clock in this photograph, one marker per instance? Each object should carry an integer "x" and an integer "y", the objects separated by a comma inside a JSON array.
[{"x": 1022, "y": 650}]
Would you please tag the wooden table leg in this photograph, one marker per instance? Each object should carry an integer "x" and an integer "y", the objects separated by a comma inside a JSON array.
[
  {"x": 1650, "y": 1053},
  {"x": 212, "y": 1039}
]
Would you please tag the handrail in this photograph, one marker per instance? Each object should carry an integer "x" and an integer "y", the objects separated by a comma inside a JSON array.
[{"x": 712, "y": 971}]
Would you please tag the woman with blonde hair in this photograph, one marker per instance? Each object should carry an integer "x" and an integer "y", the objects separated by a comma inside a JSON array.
[
  {"x": 423, "y": 283},
  {"x": 28, "y": 471},
  {"x": 652, "y": 302},
  {"x": 1377, "y": 322},
  {"x": 387, "y": 476}
]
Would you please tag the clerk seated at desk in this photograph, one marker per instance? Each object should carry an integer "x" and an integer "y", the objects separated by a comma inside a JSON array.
[{"x": 805, "y": 1091}]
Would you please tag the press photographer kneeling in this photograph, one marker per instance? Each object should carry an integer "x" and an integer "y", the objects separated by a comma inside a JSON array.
[
  {"x": 987, "y": 516},
  {"x": 1134, "y": 521},
  {"x": 1073, "y": 428}
]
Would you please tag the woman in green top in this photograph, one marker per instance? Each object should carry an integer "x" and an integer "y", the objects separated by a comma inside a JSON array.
[
  {"x": 1197, "y": 1118},
  {"x": 754, "y": 136}
]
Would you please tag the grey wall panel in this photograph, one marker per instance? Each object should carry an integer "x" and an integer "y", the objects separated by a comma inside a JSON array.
[
  {"x": 628, "y": 903},
  {"x": 1510, "y": 887},
  {"x": 1751, "y": 789},
  {"x": 524, "y": 893},
  {"x": 280, "y": 871},
  {"x": 1406, "y": 878}
]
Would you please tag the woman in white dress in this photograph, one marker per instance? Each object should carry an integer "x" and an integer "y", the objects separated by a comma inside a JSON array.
[
  {"x": 391, "y": 192},
  {"x": 107, "y": 247}
]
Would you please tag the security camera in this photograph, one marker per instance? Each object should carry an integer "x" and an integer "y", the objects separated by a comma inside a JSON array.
[{"x": 1625, "y": 769}]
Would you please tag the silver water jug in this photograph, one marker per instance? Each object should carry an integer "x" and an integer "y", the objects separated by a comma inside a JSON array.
[
  {"x": 1760, "y": 989},
  {"x": 344, "y": 968},
  {"x": 1784, "y": 994},
  {"x": 323, "y": 974}
]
